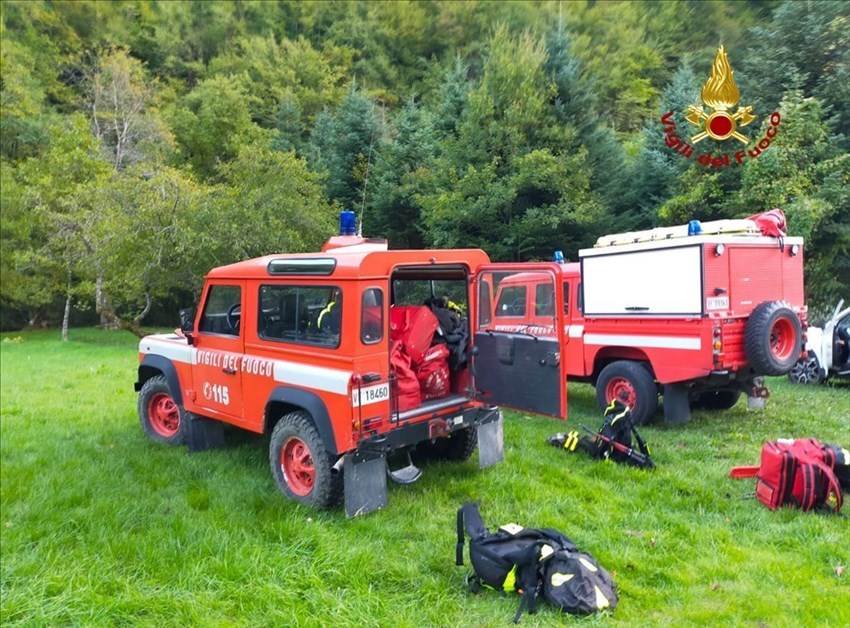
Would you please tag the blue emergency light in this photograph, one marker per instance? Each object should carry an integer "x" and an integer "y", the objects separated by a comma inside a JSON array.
[
  {"x": 347, "y": 223},
  {"x": 694, "y": 227},
  {"x": 559, "y": 257}
]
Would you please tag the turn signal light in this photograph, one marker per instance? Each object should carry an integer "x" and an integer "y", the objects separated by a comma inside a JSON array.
[{"x": 718, "y": 345}]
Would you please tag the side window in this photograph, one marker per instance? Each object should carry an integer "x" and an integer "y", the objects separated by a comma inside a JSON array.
[
  {"x": 484, "y": 304},
  {"x": 544, "y": 300},
  {"x": 580, "y": 299},
  {"x": 567, "y": 299},
  {"x": 372, "y": 311},
  {"x": 512, "y": 302},
  {"x": 222, "y": 311},
  {"x": 301, "y": 314}
]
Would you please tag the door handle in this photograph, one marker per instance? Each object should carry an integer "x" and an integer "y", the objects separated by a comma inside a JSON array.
[{"x": 229, "y": 371}]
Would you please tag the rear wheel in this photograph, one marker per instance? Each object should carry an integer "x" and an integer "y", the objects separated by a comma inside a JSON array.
[
  {"x": 631, "y": 383},
  {"x": 301, "y": 464},
  {"x": 162, "y": 419},
  {"x": 718, "y": 399},
  {"x": 458, "y": 445},
  {"x": 773, "y": 338}
]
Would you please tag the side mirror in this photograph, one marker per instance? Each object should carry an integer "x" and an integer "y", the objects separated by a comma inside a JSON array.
[{"x": 187, "y": 322}]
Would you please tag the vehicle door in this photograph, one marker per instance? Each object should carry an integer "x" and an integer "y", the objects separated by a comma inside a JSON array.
[
  {"x": 836, "y": 337},
  {"x": 518, "y": 336},
  {"x": 220, "y": 346}
]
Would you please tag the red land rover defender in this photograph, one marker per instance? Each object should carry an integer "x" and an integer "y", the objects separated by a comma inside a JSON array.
[{"x": 301, "y": 347}]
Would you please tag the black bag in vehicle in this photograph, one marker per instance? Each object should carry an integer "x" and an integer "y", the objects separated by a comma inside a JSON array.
[
  {"x": 522, "y": 560},
  {"x": 453, "y": 330}
]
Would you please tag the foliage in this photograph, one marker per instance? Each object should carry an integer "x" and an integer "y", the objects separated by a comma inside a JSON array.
[{"x": 519, "y": 127}]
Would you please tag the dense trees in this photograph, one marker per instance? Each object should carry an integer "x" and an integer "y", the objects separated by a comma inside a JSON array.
[{"x": 142, "y": 142}]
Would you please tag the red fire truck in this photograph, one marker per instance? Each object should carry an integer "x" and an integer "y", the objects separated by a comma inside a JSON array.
[{"x": 697, "y": 318}]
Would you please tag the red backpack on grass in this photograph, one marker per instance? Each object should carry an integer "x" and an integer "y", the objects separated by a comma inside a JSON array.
[{"x": 800, "y": 473}]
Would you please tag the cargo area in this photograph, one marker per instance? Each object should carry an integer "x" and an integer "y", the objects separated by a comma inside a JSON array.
[{"x": 429, "y": 337}]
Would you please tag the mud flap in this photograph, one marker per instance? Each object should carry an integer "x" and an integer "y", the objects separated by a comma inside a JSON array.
[
  {"x": 491, "y": 440},
  {"x": 204, "y": 433},
  {"x": 677, "y": 407},
  {"x": 365, "y": 481}
]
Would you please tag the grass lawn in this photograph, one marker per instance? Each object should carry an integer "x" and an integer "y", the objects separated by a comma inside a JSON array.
[{"x": 101, "y": 526}]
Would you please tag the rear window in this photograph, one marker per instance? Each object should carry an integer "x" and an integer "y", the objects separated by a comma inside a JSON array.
[{"x": 372, "y": 312}]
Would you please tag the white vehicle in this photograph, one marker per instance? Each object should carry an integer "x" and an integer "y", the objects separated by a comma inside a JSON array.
[{"x": 828, "y": 350}]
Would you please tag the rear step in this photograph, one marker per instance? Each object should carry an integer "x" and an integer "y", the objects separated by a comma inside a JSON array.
[{"x": 405, "y": 475}]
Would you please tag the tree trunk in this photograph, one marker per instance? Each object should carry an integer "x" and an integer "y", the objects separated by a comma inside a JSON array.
[
  {"x": 113, "y": 321},
  {"x": 100, "y": 301},
  {"x": 66, "y": 317}
]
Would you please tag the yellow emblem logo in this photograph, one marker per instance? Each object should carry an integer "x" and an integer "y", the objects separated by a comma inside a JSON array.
[{"x": 720, "y": 94}]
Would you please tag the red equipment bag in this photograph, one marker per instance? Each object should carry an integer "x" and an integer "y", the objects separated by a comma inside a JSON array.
[
  {"x": 409, "y": 396},
  {"x": 414, "y": 326},
  {"x": 796, "y": 472},
  {"x": 771, "y": 223},
  {"x": 433, "y": 372}
]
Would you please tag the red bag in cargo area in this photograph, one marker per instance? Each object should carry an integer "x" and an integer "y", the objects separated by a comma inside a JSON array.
[
  {"x": 406, "y": 382},
  {"x": 414, "y": 326},
  {"x": 433, "y": 372}
]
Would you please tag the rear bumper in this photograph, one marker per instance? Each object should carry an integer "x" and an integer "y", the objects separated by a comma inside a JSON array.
[{"x": 439, "y": 425}]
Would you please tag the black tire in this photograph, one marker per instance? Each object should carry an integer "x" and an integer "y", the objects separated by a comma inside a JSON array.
[
  {"x": 773, "y": 338},
  {"x": 162, "y": 419},
  {"x": 718, "y": 399},
  {"x": 457, "y": 446},
  {"x": 641, "y": 382},
  {"x": 313, "y": 482},
  {"x": 806, "y": 371}
]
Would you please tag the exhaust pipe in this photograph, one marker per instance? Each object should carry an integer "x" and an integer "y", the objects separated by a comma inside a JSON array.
[{"x": 337, "y": 468}]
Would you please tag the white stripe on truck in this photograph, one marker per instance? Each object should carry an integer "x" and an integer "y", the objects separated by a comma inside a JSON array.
[
  {"x": 655, "y": 342},
  {"x": 178, "y": 349}
]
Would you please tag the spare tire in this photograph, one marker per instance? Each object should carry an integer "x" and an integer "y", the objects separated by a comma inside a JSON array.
[{"x": 773, "y": 338}]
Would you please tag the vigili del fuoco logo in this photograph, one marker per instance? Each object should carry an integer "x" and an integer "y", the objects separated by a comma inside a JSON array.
[{"x": 721, "y": 123}]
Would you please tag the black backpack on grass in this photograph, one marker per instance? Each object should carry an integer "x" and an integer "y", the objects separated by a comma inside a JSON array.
[{"x": 533, "y": 562}]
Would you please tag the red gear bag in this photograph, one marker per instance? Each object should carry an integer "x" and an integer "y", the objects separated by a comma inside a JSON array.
[{"x": 795, "y": 472}]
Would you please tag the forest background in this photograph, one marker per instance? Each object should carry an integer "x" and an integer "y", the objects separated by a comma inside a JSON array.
[{"x": 142, "y": 143}]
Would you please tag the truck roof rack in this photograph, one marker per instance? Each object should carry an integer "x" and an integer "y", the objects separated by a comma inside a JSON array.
[{"x": 742, "y": 226}]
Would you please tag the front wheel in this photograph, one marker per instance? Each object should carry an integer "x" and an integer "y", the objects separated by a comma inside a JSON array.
[
  {"x": 162, "y": 419},
  {"x": 301, "y": 465},
  {"x": 631, "y": 383},
  {"x": 806, "y": 371}
]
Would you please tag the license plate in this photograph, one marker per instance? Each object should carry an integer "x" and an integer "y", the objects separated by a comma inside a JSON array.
[
  {"x": 717, "y": 303},
  {"x": 370, "y": 394}
]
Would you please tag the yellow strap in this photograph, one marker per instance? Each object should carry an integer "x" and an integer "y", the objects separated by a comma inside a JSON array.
[{"x": 327, "y": 310}]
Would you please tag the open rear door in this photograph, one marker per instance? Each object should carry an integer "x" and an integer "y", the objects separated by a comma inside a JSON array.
[{"x": 518, "y": 336}]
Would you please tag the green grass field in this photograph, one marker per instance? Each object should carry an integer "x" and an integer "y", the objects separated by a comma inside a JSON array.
[{"x": 101, "y": 527}]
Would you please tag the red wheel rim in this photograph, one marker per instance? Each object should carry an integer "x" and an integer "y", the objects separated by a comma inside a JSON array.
[
  {"x": 618, "y": 388},
  {"x": 296, "y": 462},
  {"x": 164, "y": 415},
  {"x": 782, "y": 339}
]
